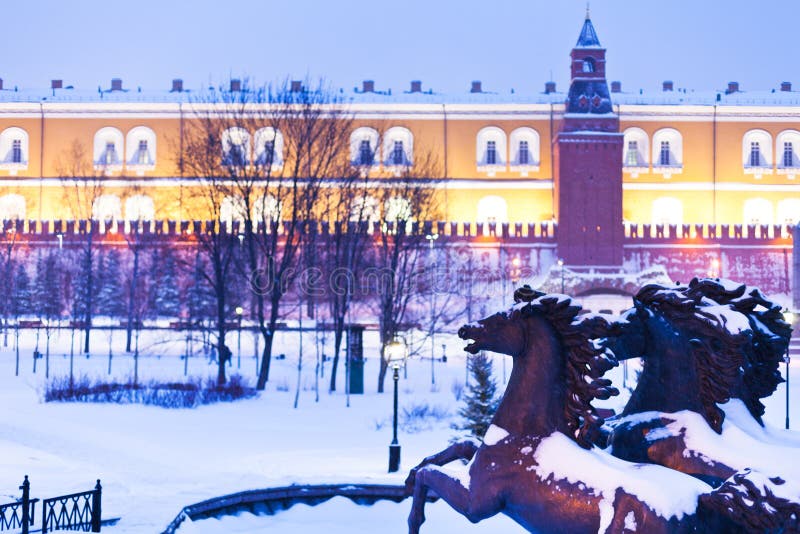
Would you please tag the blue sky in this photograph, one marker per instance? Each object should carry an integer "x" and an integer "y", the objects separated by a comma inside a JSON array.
[{"x": 700, "y": 44}]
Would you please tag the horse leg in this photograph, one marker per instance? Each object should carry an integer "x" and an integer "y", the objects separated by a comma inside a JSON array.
[
  {"x": 463, "y": 450},
  {"x": 474, "y": 506}
]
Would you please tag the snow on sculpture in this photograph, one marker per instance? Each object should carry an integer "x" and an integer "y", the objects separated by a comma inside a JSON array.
[
  {"x": 711, "y": 351},
  {"x": 537, "y": 463}
]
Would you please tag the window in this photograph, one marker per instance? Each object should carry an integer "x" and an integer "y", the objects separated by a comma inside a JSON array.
[
  {"x": 107, "y": 208},
  {"x": 758, "y": 211},
  {"x": 235, "y": 147},
  {"x": 492, "y": 209},
  {"x": 491, "y": 153},
  {"x": 269, "y": 148},
  {"x": 666, "y": 211},
  {"x": 12, "y": 207},
  {"x": 398, "y": 146},
  {"x": 269, "y": 152},
  {"x": 398, "y": 209},
  {"x": 141, "y": 153},
  {"x": 788, "y": 154},
  {"x": 588, "y": 65},
  {"x": 365, "y": 156},
  {"x": 16, "y": 151},
  {"x": 755, "y": 154},
  {"x": 524, "y": 153},
  {"x": 110, "y": 154},
  {"x": 663, "y": 157},
  {"x": 140, "y": 149},
  {"x": 398, "y": 154},
  {"x": 139, "y": 208},
  {"x": 632, "y": 156},
  {"x": 364, "y": 146}
]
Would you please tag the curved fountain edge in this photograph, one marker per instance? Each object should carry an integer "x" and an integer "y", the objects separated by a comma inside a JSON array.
[{"x": 268, "y": 501}]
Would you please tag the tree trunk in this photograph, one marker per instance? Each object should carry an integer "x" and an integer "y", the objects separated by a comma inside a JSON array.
[
  {"x": 132, "y": 300},
  {"x": 337, "y": 345},
  {"x": 87, "y": 318}
]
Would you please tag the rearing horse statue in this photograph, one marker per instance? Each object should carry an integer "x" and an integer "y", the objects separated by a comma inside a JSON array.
[
  {"x": 537, "y": 463},
  {"x": 709, "y": 348}
]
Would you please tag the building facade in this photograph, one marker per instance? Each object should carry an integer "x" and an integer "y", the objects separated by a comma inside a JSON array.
[{"x": 600, "y": 162}]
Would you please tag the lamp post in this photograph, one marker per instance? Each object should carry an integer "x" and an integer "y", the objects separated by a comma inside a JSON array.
[
  {"x": 561, "y": 267},
  {"x": 396, "y": 354},
  {"x": 788, "y": 316},
  {"x": 431, "y": 238},
  {"x": 239, "y": 312}
]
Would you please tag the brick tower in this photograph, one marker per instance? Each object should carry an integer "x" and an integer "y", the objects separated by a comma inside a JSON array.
[{"x": 588, "y": 153}]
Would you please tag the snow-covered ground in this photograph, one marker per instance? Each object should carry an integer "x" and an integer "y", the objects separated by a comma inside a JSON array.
[{"x": 154, "y": 461}]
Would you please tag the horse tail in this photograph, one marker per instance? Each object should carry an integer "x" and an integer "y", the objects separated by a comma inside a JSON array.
[{"x": 750, "y": 502}]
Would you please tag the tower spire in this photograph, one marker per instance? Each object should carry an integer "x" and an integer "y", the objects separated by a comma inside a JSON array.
[{"x": 587, "y": 11}]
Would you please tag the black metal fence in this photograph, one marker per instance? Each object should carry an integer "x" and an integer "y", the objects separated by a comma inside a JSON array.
[{"x": 77, "y": 511}]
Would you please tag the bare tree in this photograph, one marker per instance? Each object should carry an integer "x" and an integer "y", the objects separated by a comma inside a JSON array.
[
  {"x": 83, "y": 186},
  {"x": 268, "y": 152},
  {"x": 408, "y": 197}
]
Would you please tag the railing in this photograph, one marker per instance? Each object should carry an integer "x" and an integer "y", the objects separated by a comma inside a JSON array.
[
  {"x": 20, "y": 514},
  {"x": 78, "y": 511}
]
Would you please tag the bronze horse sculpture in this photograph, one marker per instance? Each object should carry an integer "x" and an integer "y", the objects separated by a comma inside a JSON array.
[
  {"x": 709, "y": 347},
  {"x": 537, "y": 463}
]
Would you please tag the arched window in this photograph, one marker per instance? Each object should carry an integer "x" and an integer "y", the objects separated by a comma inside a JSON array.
[
  {"x": 492, "y": 209},
  {"x": 12, "y": 207},
  {"x": 141, "y": 149},
  {"x": 757, "y": 152},
  {"x": 139, "y": 208},
  {"x": 107, "y": 208},
  {"x": 232, "y": 209},
  {"x": 266, "y": 209},
  {"x": 588, "y": 65},
  {"x": 363, "y": 146},
  {"x": 666, "y": 211},
  {"x": 789, "y": 212},
  {"x": 491, "y": 150},
  {"x": 269, "y": 148},
  {"x": 667, "y": 152},
  {"x": 235, "y": 147},
  {"x": 398, "y": 209},
  {"x": 365, "y": 209},
  {"x": 108, "y": 146},
  {"x": 524, "y": 148},
  {"x": 758, "y": 211},
  {"x": 636, "y": 149},
  {"x": 14, "y": 149},
  {"x": 787, "y": 148},
  {"x": 398, "y": 146}
]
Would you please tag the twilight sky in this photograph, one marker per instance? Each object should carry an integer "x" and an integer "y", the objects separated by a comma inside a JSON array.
[{"x": 700, "y": 44}]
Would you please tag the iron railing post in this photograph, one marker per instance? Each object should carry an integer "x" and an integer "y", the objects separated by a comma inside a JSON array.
[
  {"x": 96, "y": 506},
  {"x": 26, "y": 501}
]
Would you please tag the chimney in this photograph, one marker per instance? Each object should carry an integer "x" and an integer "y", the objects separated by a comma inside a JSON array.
[
  {"x": 416, "y": 86},
  {"x": 297, "y": 86},
  {"x": 368, "y": 86},
  {"x": 549, "y": 87},
  {"x": 786, "y": 86},
  {"x": 1, "y": 84},
  {"x": 616, "y": 87},
  {"x": 733, "y": 87},
  {"x": 116, "y": 84},
  {"x": 177, "y": 86},
  {"x": 667, "y": 85},
  {"x": 56, "y": 84},
  {"x": 476, "y": 87},
  {"x": 236, "y": 85}
]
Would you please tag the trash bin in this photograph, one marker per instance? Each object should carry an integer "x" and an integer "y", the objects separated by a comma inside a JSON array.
[{"x": 355, "y": 363}]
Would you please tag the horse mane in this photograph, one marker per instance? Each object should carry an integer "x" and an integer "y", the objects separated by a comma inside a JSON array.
[
  {"x": 770, "y": 340},
  {"x": 719, "y": 353},
  {"x": 585, "y": 363}
]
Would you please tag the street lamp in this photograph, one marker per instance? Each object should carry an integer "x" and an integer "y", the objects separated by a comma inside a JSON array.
[
  {"x": 788, "y": 316},
  {"x": 561, "y": 266},
  {"x": 396, "y": 353},
  {"x": 239, "y": 311},
  {"x": 431, "y": 238}
]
